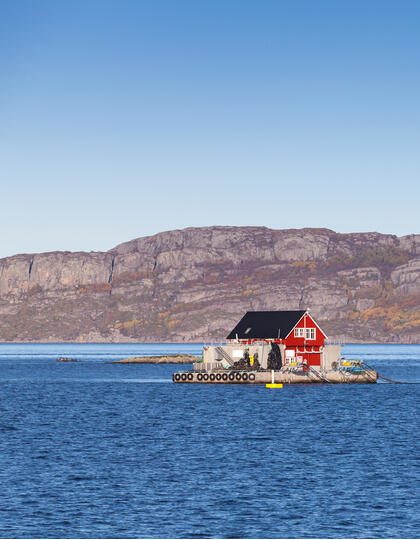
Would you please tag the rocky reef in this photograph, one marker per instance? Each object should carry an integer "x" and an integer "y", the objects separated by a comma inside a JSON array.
[
  {"x": 161, "y": 359},
  {"x": 194, "y": 285}
]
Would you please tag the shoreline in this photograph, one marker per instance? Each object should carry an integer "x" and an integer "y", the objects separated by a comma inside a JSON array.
[
  {"x": 208, "y": 342},
  {"x": 160, "y": 359},
  {"x": 155, "y": 359}
]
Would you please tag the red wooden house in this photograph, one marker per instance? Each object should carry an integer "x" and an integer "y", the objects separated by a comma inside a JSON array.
[{"x": 300, "y": 338}]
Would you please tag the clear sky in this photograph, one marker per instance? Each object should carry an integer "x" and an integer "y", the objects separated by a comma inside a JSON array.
[{"x": 120, "y": 119}]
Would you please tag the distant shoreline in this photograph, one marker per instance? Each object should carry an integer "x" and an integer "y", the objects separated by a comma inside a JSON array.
[
  {"x": 78, "y": 342},
  {"x": 209, "y": 342}
]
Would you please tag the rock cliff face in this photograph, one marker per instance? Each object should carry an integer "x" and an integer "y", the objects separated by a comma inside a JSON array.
[{"x": 194, "y": 284}]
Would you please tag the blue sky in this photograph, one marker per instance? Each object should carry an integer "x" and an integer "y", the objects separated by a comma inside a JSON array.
[{"x": 126, "y": 118}]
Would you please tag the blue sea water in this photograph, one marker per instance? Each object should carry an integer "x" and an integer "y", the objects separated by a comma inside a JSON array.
[{"x": 94, "y": 449}]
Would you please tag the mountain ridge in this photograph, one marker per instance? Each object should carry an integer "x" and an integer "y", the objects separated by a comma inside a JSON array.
[{"x": 194, "y": 284}]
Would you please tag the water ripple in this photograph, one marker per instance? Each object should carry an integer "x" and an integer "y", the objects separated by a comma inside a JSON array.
[{"x": 83, "y": 454}]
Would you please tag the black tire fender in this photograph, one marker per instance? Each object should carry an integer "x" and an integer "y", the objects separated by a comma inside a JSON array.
[
  {"x": 199, "y": 377},
  {"x": 231, "y": 376},
  {"x": 184, "y": 377},
  {"x": 218, "y": 377},
  {"x": 224, "y": 376},
  {"x": 252, "y": 376},
  {"x": 190, "y": 376},
  {"x": 244, "y": 376},
  {"x": 238, "y": 376},
  {"x": 205, "y": 377}
]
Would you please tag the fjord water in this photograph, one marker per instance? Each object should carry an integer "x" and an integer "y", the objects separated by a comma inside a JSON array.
[{"x": 93, "y": 449}]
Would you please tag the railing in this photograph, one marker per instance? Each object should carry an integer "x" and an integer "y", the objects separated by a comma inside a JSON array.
[
  {"x": 336, "y": 341},
  {"x": 207, "y": 366},
  {"x": 225, "y": 355}
]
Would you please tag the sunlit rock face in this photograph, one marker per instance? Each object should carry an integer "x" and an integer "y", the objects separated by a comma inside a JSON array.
[
  {"x": 406, "y": 278},
  {"x": 194, "y": 284}
]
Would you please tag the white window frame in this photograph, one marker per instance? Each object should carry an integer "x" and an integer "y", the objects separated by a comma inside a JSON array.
[
  {"x": 299, "y": 332},
  {"x": 290, "y": 356},
  {"x": 310, "y": 334}
]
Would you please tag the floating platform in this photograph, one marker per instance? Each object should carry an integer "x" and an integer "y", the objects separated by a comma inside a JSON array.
[{"x": 276, "y": 377}]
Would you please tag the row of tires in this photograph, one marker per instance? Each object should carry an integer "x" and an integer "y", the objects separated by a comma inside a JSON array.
[{"x": 237, "y": 376}]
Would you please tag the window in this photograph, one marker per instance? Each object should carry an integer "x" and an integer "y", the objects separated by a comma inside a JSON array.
[
  {"x": 307, "y": 333},
  {"x": 290, "y": 356},
  {"x": 310, "y": 333}
]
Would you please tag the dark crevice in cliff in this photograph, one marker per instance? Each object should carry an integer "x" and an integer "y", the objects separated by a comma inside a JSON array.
[
  {"x": 30, "y": 268},
  {"x": 301, "y": 300},
  {"x": 111, "y": 273}
]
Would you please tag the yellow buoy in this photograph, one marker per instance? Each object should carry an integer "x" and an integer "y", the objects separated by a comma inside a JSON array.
[{"x": 274, "y": 385}]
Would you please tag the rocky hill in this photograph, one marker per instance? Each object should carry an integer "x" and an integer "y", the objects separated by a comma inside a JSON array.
[{"x": 194, "y": 284}]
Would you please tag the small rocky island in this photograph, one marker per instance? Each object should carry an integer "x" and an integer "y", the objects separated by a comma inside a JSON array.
[{"x": 162, "y": 359}]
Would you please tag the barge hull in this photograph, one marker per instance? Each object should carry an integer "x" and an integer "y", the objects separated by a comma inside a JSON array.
[{"x": 277, "y": 377}]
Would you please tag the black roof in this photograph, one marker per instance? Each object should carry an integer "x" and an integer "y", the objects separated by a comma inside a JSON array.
[{"x": 266, "y": 324}]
